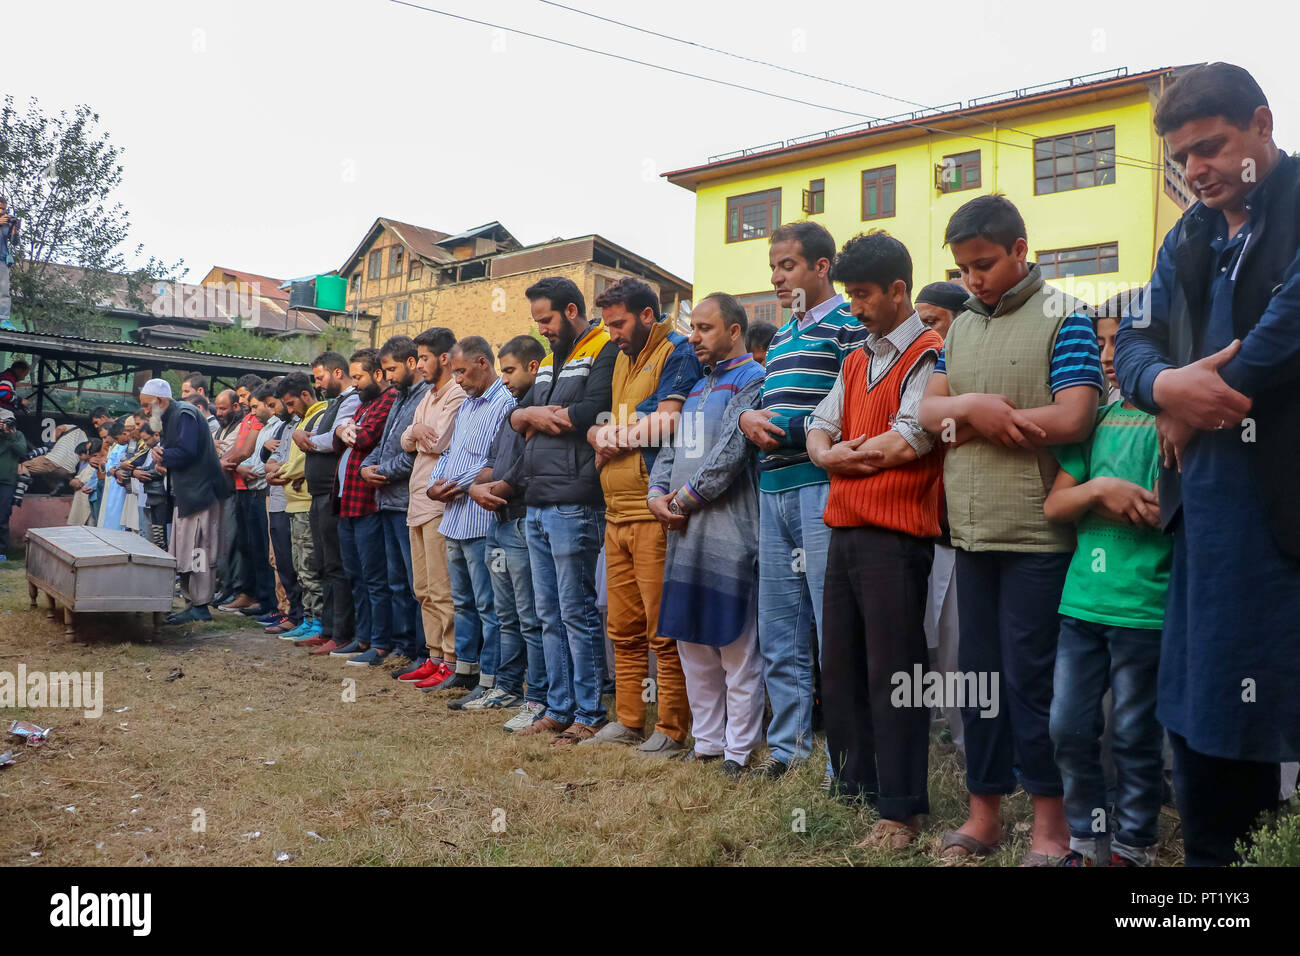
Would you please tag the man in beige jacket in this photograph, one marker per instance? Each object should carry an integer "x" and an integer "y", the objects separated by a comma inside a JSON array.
[{"x": 428, "y": 436}]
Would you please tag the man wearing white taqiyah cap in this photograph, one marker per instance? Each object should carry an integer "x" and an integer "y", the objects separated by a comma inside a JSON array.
[{"x": 197, "y": 487}]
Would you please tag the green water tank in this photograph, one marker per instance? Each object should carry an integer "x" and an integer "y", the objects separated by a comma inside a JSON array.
[{"x": 332, "y": 293}]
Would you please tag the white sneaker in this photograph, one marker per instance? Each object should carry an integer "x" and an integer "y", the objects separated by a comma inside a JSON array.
[
  {"x": 529, "y": 713},
  {"x": 494, "y": 698}
]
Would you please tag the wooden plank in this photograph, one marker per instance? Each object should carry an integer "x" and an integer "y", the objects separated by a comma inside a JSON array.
[
  {"x": 133, "y": 547},
  {"x": 75, "y": 545}
]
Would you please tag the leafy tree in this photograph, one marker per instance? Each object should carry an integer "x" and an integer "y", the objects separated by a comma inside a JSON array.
[
  {"x": 58, "y": 172},
  {"x": 236, "y": 340}
]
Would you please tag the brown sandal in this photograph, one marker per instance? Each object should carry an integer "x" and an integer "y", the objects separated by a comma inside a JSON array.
[
  {"x": 890, "y": 835},
  {"x": 969, "y": 846},
  {"x": 576, "y": 734}
]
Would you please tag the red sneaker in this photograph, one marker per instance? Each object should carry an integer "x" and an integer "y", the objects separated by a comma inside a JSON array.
[
  {"x": 440, "y": 674},
  {"x": 316, "y": 641},
  {"x": 426, "y": 669},
  {"x": 325, "y": 648}
]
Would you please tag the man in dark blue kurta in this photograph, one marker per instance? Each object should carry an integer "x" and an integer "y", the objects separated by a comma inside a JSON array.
[{"x": 1213, "y": 348}]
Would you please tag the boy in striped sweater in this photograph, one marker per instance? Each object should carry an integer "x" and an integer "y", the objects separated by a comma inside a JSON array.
[
  {"x": 883, "y": 510},
  {"x": 803, "y": 362}
]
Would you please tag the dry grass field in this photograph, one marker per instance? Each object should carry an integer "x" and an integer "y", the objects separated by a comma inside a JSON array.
[{"x": 254, "y": 757}]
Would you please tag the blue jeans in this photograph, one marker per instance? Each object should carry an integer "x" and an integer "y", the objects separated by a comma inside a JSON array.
[
  {"x": 512, "y": 593},
  {"x": 361, "y": 545},
  {"x": 477, "y": 635},
  {"x": 792, "y": 543},
  {"x": 563, "y": 542},
  {"x": 408, "y": 624},
  {"x": 1089, "y": 658}
]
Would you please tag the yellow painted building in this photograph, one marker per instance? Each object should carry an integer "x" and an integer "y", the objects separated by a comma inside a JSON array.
[
  {"x": 1079, "y": 158},
  {"x": 403, "y": 279}
]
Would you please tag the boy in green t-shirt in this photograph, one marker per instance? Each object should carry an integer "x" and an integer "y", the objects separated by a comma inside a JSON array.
[{"x": 1112, "y": 609}]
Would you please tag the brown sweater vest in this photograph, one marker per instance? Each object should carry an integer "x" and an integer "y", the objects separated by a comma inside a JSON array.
[{"x": 905, "y": 498}]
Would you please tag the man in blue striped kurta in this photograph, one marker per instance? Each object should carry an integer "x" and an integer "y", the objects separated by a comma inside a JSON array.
[
  {"x": 803, "y": 362},
  {"x": 464, "y": 524}
]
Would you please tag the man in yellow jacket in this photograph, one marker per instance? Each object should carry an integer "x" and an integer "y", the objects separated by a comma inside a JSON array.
[{"x": 653, "y": 373}]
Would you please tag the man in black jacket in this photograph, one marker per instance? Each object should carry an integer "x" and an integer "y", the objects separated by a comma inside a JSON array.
[
  {"x": 1212, "y": 347},
  {"x": 198, "y": 486},
  {"x": 566, "y": 507}
]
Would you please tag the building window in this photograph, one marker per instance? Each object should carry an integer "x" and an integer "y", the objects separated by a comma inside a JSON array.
[
  {"x": 373, "y": 264},
  {"x": 1074, "y": 161},
  {"x": 1079, "y": 261},
  {"x": 395, "y": 261},
  {"x": 417, "y": 270},
  {"x": 814, "y": 197},
  {"x": 763, "y": 307},
  {"x": 953, "y": 275},
  {"x": 403, "y": 309},
  {"x": 878, "y": 188},
  {"x": 959, "y": 171},
  {"x": 753, "y": 215},
  {"x": 356, "y": 282},
  {"x": 1176, "y": 187}
]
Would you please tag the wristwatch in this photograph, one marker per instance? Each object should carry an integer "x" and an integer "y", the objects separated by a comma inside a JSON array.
[{"x": 674, "y": 507}]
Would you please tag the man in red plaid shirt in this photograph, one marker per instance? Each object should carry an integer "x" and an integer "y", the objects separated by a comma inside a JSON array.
[{"x": 361, "y": 537}]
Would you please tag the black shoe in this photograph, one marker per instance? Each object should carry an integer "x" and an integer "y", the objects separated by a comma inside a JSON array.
[
  {"x": 460, "y": 702},
  {"x": 225, "y": 597},
  {"x": 258, "y": 610},
  {"x": 769, "y": 768},
  {"x": 731, "y": 769},
  {"x": 459, "y": 682},
  {"x": 694, "y": 756},
  {"x": 190, "y": 614}
]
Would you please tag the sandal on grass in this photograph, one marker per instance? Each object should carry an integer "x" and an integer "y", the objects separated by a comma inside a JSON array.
[
  {"x": 969, "y": 846},
  {"x": 1034, "y": 858},
  {"x": 889, "y": 835}
]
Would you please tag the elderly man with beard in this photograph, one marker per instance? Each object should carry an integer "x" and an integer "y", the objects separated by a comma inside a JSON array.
[
  {"x": 228, "y": 415},
  {"x": 361, "y": 539},
  {"x": 198, "y": 486},
  {"x": 388, "y": 469}
]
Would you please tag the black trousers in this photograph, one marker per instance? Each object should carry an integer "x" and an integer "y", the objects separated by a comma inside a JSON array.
[
  {"x": 336, "y": 592},
  {"x": 6, "y": 508},
  {"x": 282, "y": 543},
  {"x": 1219, "y": 800},
  {"x": 253, "y": 540},
  {"x": 873, "y": 627}
]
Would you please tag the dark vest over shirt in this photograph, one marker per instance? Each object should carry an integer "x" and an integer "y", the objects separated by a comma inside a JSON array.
[
  {"x": 321, "y": 468},
  {"x": 202, "y": 483}
]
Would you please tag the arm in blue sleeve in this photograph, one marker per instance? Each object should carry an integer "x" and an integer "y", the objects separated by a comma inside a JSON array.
[
  {"x": 184, "y": 450},
  {"x": 1142, "y": 345},
  {"x": 1270, "y": 352}
]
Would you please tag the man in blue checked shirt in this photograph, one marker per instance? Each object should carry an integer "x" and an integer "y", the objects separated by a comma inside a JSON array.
[{"x": 464, "y": 524}]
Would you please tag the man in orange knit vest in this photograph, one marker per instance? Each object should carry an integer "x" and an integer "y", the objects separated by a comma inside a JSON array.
[{"x": 883, "y": 511}]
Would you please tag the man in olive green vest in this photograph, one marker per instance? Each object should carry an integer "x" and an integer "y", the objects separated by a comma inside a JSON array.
[{"x": 1020, "y": 371}]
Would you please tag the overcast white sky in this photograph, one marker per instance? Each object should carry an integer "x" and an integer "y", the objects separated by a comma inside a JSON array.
[{"x": 267, "y": 136}]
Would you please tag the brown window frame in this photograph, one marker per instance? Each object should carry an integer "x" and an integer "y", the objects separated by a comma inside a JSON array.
[
  {"x": 770, "y": 199},
  {"x": 1051, "y": 269},
  {"x": 374, "y": 263},
  {"x": 814, "y": 198},
  {"x": 882, "y": 175},
  {"x": 769, "y": 304},
  {"x": 395, "y": 264},
  {"x": 402, "y": 311},
  {"x": 961, "y": 163},
  {"x": 1055, "y": 161},
  {"x": 416, "y": 271}
]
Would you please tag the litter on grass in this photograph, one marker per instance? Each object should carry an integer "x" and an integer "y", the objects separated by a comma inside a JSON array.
[{"x": 35, "y": 736}]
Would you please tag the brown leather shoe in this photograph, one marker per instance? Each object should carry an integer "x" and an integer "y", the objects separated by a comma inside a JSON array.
[
  {"x": 238, "y": 604},
  {"x": 325, "y": 648},
  {"x": 546, "y": 725},
  {"x": 576, "y": 734}
]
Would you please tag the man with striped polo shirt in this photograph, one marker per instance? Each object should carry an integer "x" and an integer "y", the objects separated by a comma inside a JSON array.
[
  {"x": 465, "y": 525},
  {"x": 883, "y": 510},
  {"x": 803, "y": 362}
]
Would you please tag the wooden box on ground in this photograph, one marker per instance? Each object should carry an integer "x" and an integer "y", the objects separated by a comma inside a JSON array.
[{"x": 94, "y": 569}]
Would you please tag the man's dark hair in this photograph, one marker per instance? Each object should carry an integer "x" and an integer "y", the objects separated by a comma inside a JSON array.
[
  {"x": 198, "y": 381},
  {"x": 295, "y": 383},
  {"x": 437, "y": 340},
  {"x": 815, "y": 242},
  {"x": 368, "y": 359},
  {"x": 330, "y": 361},
  {"x": 993, "y": 217},
  {"x": 399, "y": 347},
  {"x": 1211, "y": 89},
  {"x": 633, "y": 294},
  {"x": 732, "y": 312},
  {"x": 875, "y": 257},
  {"x": 475, "y": 346},
  {"x": 99, "y": 411},
  {"x": 142, "y": 413},
  {"x": 81, "y": 448},
  {"x": 249, "y": 381},
  {"x": 116, "y": 427},
  {"x": 1115, "y": 306},
  {"x": 759, "y": 336},
  {"x": 94, "y": 446},
  {"x": 523, "y": 347},
  {"x": 560, "y": 291},
  {"x": 146, "y": 429},
  {"x": 263, "y": 392},
  {"x": 201, "y": 403},
  {"x": 21, "y": 366}
]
